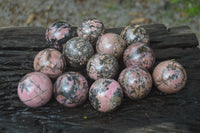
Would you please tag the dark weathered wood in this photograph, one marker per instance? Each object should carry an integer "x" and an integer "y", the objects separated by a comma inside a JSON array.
[
  {"x": 22, "y": 38},
  {"x": 156, "y": 113}
]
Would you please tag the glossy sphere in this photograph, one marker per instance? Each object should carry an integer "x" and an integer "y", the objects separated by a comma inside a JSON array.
[
  {"x": 35, "y": 89},
  {"x": 78, "y": 51},
  {"x": 90, "y": 29},
  {"x": 169, "y": 76},
  {"x": 139, "y": 54},
  {"x": 57, "y": 34},
  {"x": 49, "y": 61},
  {"x": 102, "y": 66},
  {"x": 112, "y": 44},
  {"x": 136, "y": 82},
  {"x": 135, "y": 33},
  {"x": 105, "y": 95},
  {"x": 70, "y": 89}
]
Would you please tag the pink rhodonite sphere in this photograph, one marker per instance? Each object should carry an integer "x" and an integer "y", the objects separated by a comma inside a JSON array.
[
  {"x": 135, "y": 33},
  {"x": 136, "y": 82},
  {"x": 139, "y": 53},
  {"x": 90, "y": 29},
  {"x": 71, "y": 89},
  {"x": 35, "y": 89},
  {"x": 77, "y": 51},
  {"x": 58, "y": 33},
  {"x": 112, "y": 44},
  {"x": 102, "y": 65},
  {"x": 105, "y": 95},
  {"x": 169, "y": 76},
  {"x": 49, "y": 61}
]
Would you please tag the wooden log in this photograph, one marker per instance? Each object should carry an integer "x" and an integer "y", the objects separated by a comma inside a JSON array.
[
  {"x": 183, "y": 39},
  {"x": 156, "y": 113}
]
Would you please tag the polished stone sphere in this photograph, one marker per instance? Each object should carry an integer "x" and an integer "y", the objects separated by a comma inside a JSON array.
[
  {"x": 78, "y": 51},
  {"x": 169, "y": 76},
  {"x": 51, "y": 62},
  {"x": 136, "y": 82},
  {"x": 71, "y": 89},
  {"x": 35, "y": 89},
  {"x": 135, "y": 33},
  {"x": 105, "y": 95},
  {"x": 112, "y": 44},
  {"x": 139, "y": 54},
  {"x": 102, "y": 66},
  {"x": 90, "y": 29},
  {"x": 58, "y": 33}
]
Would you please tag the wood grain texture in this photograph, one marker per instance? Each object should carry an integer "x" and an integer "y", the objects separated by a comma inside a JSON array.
[{"x": 156, "y": 113}]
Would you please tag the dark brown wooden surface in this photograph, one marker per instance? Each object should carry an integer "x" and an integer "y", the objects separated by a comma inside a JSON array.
[{"x": 156, "y": 113}]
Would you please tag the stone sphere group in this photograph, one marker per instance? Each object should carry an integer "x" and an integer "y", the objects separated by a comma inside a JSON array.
[{"x": 116, "y": 66}]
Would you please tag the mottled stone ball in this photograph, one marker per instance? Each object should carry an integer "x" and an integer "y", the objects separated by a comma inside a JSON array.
[
  {"x": 139, "y": 54},
  {"x": 90, "y": 29},
  {"x": 105, "y": 95},
  {"x": 136, "y": 82},
  {"x": 35, "y": 89},
  {"x": 71, "y": 89},
  {"x": 57, "y": 34},
  {"x": 78, "y": 51},
  {"x": 102, "y": 66},
  {"x": 49, "y": 61},
  {"x": 135, "y": 33},
  {"x": 169, "y": 76},
  {"x": 112, "y": 44}
]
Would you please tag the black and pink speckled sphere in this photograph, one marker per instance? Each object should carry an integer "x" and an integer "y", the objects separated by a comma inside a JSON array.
[
  {"x": 90, "y": 29},
  {"x": 57, "y": 34},
  {"x": 102, "y": 65},
  {"x": 35, "y": 89},
  {"x": 139, "y": 53},
  {"x": 136, "y": 82},
  {"x": 169, "y": 76},
  {"x": 78, "y": 51},
  {"x": 112, "y": 44},
  {"x": 49, "y": 61},
  {"x": 71, "y": 89},
  {"x": 135, "y": 33},
  {"x": 105, "y": 95}
]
